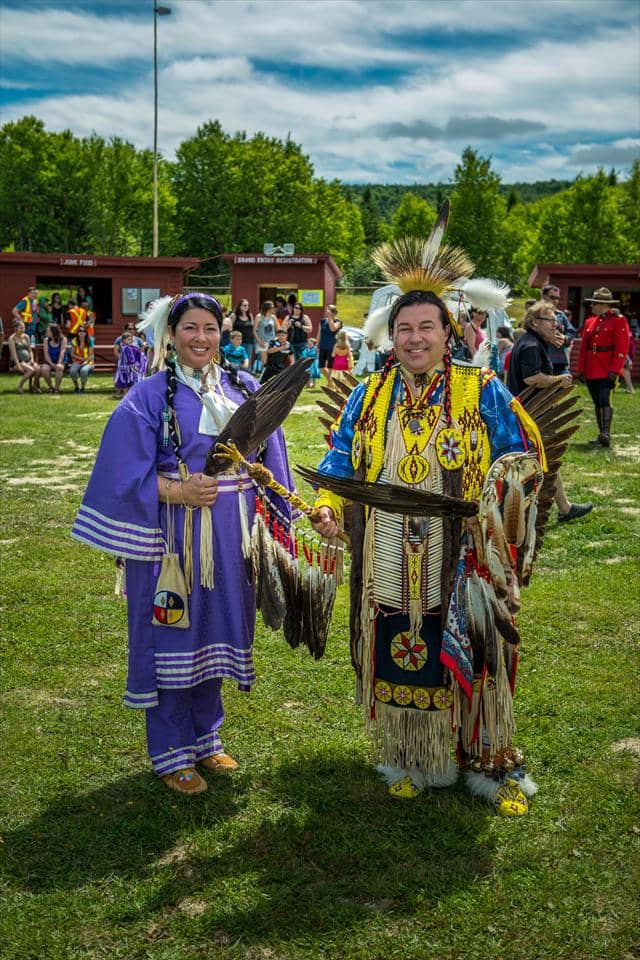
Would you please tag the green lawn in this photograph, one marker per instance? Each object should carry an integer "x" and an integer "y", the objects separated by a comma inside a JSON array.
[
  {"x": 353, "y": 306},
  {"x": 301, "y": 855}
]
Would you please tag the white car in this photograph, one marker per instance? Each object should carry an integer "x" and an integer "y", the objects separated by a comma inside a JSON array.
[{"x": 355, "y": 337}]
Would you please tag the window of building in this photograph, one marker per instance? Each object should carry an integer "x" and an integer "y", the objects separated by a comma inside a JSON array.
[{"x": 134, "y": 299}]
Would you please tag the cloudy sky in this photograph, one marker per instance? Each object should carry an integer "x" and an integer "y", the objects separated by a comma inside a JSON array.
[{"x": 381, "y": 91}]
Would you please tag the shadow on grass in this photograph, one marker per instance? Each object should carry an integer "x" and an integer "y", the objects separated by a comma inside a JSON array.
[
  {"x": 340, "y": 852},
  {"x": 118, "y": 830},
  {"x": 325, "y": 846}
]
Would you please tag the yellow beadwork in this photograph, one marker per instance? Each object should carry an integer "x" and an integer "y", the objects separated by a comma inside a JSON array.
[
  {"x": 450, "y": 449},
  {"x": 413, "y": 468},
  {"x": 414, "y": 565},
  {"x": 375, "y": 429},
  {"x": 402, "y": 694},
  {"x": 466, "y": 387},
  {"x": 426, "y": 420},
  {"x": 406, "y": 695},
  {"x": 466, "y": 384}
]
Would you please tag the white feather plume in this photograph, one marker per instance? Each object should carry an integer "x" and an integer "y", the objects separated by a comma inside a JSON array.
[
  {"x": 482, "y": 356},
  {"x": 156, "y": 319},
  {"x": 487, "y": 788},
  {"x": 434, "y": 240},
  {"x": 480, "y": 786},
  {"x": 486, "y": 294},
  {"x": 376, "y": 328}
]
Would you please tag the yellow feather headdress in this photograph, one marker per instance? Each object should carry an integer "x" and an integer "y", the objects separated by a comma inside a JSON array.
[
  {"x": 418, "y": 264},
  {"x": 408, "y": 263},
  {"x": 415, "y": 263}
]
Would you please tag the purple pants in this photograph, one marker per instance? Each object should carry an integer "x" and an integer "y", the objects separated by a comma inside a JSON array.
[{"x": 184, "y": 727}]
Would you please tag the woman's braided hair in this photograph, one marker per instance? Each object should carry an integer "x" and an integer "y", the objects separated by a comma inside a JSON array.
[
  {"x": 172, "y": 386},
  {"x": 190, "y": 301}
]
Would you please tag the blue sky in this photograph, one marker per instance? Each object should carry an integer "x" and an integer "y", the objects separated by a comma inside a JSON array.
[{"x": 375, "y": 91}]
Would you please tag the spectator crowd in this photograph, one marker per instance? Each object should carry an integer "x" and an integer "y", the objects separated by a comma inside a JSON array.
[{"x": 51, "y": 339}]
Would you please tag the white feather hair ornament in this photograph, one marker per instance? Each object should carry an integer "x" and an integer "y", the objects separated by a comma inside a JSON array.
[
  {"x": 483, "y": 355},
  {"x": 486, "y": 294},
  {"x": 156, "y": 318},
  {"x": 376, "y": 327}
]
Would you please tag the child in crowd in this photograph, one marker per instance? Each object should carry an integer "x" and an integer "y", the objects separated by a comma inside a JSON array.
[
  {"x": 311, "y": 350},
  {"x": 341, "y": 353},
  {"x": 279, "y": 356},
  {"x": 90, "y": 322},
  {"x": 235, "y": 352},
  {"x": 132, "y": 363}
]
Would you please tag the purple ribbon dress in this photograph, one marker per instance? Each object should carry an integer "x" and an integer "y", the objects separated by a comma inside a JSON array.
[{"x": 175, "y": 674}]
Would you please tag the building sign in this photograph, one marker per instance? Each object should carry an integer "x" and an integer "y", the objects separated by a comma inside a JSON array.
[
  {"x": 77, "y": 262},
  {"x": 240, "y": 258},
  {"x": 311, "y": 298}
]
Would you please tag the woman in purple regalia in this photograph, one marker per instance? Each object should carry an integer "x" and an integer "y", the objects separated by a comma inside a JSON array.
[
  {"x": 132, "y": 364},
  {"x": 146, "y": 491}
]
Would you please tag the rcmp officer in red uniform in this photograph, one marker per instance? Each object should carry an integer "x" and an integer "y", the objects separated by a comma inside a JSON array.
[{"x": 604, "y": 346}]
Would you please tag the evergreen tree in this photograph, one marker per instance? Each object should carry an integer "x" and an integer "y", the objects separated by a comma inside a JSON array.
[
  {"x": 477, "y": 213},
  {"x": 512, "y": 199},
  {"x": 374, "y": 232}
]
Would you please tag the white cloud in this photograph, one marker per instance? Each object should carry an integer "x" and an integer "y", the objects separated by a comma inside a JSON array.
[
  {"x": 353, "y": 33},
  {"x": 226, "y": 60},
  {"x": 71, "y": 38}
]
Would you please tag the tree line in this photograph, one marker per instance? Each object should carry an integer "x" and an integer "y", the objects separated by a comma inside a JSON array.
[
  {"x": 385, "y": 197},
  {"x": 232, "y": 193}
]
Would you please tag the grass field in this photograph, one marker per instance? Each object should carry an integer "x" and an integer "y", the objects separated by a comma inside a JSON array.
[
  {"x": 301, "y": 855},
  {"x": 352, "y": 307}
]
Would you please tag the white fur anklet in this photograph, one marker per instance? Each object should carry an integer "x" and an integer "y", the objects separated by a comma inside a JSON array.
[
  {"x": 528, "y": 786},
  {"x": 393, "y": 775},
  {"x": 390, "y": 774},
  {"x": 487, "y": 788},
  {"x": 480, "y": 786}
]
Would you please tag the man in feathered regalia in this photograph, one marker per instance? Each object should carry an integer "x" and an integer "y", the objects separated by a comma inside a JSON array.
[{"x": 433, "y": 594}]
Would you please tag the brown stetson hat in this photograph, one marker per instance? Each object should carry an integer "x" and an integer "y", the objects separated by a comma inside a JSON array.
[{"x": 602, "y": 295}]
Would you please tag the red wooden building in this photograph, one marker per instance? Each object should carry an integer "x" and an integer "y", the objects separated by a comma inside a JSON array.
[
  {"x": 257, "y": 277},
  {"x": 579, "y": 280},
  {"x": 120, "y": 286}
]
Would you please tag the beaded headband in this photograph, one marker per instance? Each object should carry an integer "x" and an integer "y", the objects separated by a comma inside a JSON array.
[{"x": 183, "y": 297}]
